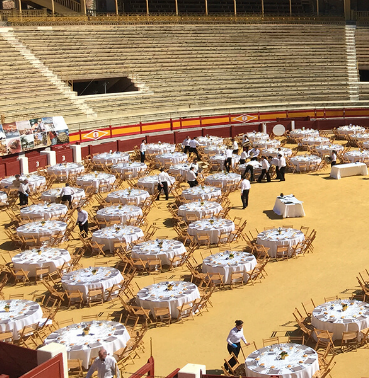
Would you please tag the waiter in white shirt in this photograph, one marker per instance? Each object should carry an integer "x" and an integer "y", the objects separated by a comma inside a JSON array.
[
  {"x": 234, "y": 342},
  {"x": 281, "y": 166},
  {"x": 243, "y": 157},
  {"x": 191, "y": 177},
  {"x": 66, "y": 194},
  {"x": 186, "y": 145},
  {"x": 245, "y": 189},
  {"x": 235, "y": 146},
  {"x": 246, "y": 143},
  {"x": 254, "y": 152},
  {"x": 23, "y": 193},
  {"x": 264, "y": 169},
  {"x": 82, "y": 222},
  {"x": 193, "y": 147},
  {"x": 143, "y": 150},
  {"x": 163, "y": 180},
  {"x": 333, "y": 158},
  {"x": 195, "y": 166},
  {"x": 228, "y": 160},
  {"x": 105, "y": 365}
]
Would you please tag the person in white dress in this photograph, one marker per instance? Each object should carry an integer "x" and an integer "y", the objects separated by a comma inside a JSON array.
[
  {"x": 105, "y": 365},
  {"x": 234, "y": 342},
  {"x": 143, "y": 150}
]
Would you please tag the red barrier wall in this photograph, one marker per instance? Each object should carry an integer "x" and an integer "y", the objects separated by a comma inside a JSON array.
[
  {"x": 164, "y": 138},
  {"x": 2, "y": 171},
  {"x": 85, "y": 150},
  {"x": 12, "y": 167},
  {"x": 224, "y": 132},
  {"x": 103, "y": 147},
  {"x": 63, "y": 156},
  {"x": 35, "y": 162},
  {"x": 180, "y": 136},
  {"x": 129, "y": 144}
]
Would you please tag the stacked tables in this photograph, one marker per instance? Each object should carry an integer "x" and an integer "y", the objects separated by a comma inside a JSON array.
[
  {"x": 95, "y": 179},
  {"x": 209, "y": 140},
  {"x": 202, "y": 192},
  {"x": 15, "y": 314},
  {"x": 128, "y": 195},
  {"x": 44, "y": 257},
  {"x": 172, "y": 157},
  {"x": 315, "y": 140},
  {"x": 134, "y": 167},
  {"x": 301, "y": 133},
  {"x": 229, "y": 262},
  {"x": 159, "y": 148},
  {"x": 53, "y": 195},
  {"x": 274, "y": 152},
  {"x": 111, "y": 158},
  {"x": 200, "y": 208},
  {"x": 44, "y": 228},
  {"x": 44, "y": 211},
  {"x": 121, "y": 213},
  {"x": 180, "y": 169},
  {"x": 350, "y": 129},
  {"x": 211, "y": 227},
  {"x": 325, "y": 149},
  {"x": 279, "y": 236},
  {"x": 168, "y": 294},
  {"x": 289, "y": 207},
  {"x": 222, "y": 179},
  {"x": 352, "y": 169},
  {"x": 102, "y": 334},
  {"x": 357, "y": 155},
  {"x": 300, "y": 361},
  {"x": 63, "y": 170},
  {"x": 91, "y": 278},
  {"x": 163, "y": 249},
  {"x": 309, "y": 160},
  {"x": 150, "y": 183},
  {"x": 117, "y": 233},
  {"x": 34, "y": 181}
]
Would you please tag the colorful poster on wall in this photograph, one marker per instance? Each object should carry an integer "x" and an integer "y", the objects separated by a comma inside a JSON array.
[
  {"x": 13, "y": 145},
  {"x": 27, "y": 142},
  {"x": 36, "y": 125},
  {"x": 24, "y": 127},
  {"x": 61, "y": 129},
  {"x": 2, "y": 134},
  {"x": 10, "y": 130},
  {"x": 48, "y": 124},
  {"x": 41, "y": 139},
  {"x": 3, "y": 148}
]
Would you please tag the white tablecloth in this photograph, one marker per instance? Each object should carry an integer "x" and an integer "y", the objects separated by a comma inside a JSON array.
[
  {"x": 150, "y": 183},
  {"x": 209, "y": 140},
  {"x": 103, "y": 334},
  {"x": 34, "y": 181},
  {"x": 163, "y": 249},
  {"x": 274, "y": 152},
  {"x": 180, "y": 169},
  {"x": 127, "y": 195},
  {"x": 326, "y": 149},
  {"x": 21, "y": 313},
  {"x": 174, "y": 158},
  {"x": 305, "y": 159},
  {"x": 269, "y": 143},
  {"x": 301, "y": 133},
  {"x": 95, "y": 179},
  {"x": 223, "y": 179},
  {"x": 37, "y": 229},
  {"x": 91, "y": 278},
  {"x": 159, "y": 148},
  {"x": 229, "y": 262},
  {"x": 254, "y": 163},
  {"x": 211, "y": 227},
  {"x": 257, "y": 136},
  {"x": 109, "y": 235},
  {"x": 352, "y": 169},
  {"x": 121, "y": 213},
  {"x": 350, "y": 129},
  {"x": 330, "y": 316},
  {"x": 315, "y": 140},
  {"x": 52, "y": 195},
  {"x": 221, "y": 159},
  {"x": 289, "y": 207},
  {"x": 203, "y": 192},
  {"x": 273, "y": 238},
  {"x": 360, "y": 137},
  {"x": 111, "y": 158},
  {"x": 44, "y": 211},
  {"x": 3, "y": 198},
  {"x": 63, "y": 170},
  {"x": 200, "y": 209},
  {"x": 159, "y": 295},
  {"x": 134, "y": 167},
  {"x": 215, "y": 149},
  {"x": 301, "y": 362},
  {"x": 43, "y": 257},
  {"x": 357, "y": 155}
]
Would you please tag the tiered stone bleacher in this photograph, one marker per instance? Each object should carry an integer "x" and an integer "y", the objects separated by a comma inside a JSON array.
[{"x": 362, "y": 56}]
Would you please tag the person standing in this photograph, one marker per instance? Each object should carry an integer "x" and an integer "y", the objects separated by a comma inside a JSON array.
[
  {"x": 105, "y": 365},
  {"x": 234, "y": 342},
  {"x": 66, "y": 194},
  {"x": 82, "y": 221},
  {"x": 23, "y": 193},
  {"x": 235, "y": 146},
  {"x": 333, "y": 158},
  {"x": 186, "y": 145},
  {"x": 245, "y": 190},
  {"x": 281, "y": 167},
  {"x": 16, "y": 184},
  {"x": 254, "y": 152},
  {"x": 246, "y": 143},
  {"x": 143, "y": 150},
  {"x": 163, "y": 180},
  {"x": 191, "y": 177},
  {"x": 195, "y": 166},
  {"x": 193, "y": 147},
  {"x": 264, "y": 169},
  {"x": 228, "y": 160},
  {"x": 243, "y": 157}
]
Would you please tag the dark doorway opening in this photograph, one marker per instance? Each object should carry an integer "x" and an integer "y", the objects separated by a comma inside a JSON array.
[
  {"x": 364, "y": 75},
  {"x": 109, "y": 85}
]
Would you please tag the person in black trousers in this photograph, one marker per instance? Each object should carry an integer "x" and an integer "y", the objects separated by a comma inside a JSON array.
[
  {"x": 163, "y": 180},
  {"x": 82, "y": 222},
  {"x": 264, "y": 169},
  {"x": 234, "y": 342},
  {"x": 143, "y": 151}
]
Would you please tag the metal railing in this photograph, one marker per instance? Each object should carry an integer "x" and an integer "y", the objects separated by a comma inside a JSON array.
[
  {"x": 6, "y": 13},
  {"x": 71, "y": 4}
]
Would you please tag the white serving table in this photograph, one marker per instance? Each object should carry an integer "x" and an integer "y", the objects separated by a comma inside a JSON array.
[
  {"x": 352, "y": 169},
  {"x": 289, "y": 207}
]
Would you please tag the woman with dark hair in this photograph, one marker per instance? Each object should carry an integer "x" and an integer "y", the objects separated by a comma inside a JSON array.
[{"x": 234, "y": 342}]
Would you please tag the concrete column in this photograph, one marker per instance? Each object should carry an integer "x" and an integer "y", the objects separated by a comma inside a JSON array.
[
  {"x": 292, "y": 125},
  {"x": 24, "y": 165},
  {"x": 49, "y": 351},
  {"x": 51, "y": 157},
  {"x": 347, "y": 9},
  {"x": 77, "y": 153},
  {"x": 264, "y": 127}
]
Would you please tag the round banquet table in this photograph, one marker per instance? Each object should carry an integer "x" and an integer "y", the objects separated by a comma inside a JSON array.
[
  {"x": 201, "y": 209},
  {"x": 172, "y": 157},
  {"x": 274, "y": 152},
  {"x": 43, "y": 228},
  {"x": 301, "y": 361},
  {"x": 203, "y": 192},
  {"x": 85, "y": 279},
  {"x": 269, "y": 143},
  {"x": 214, "y": 149},
  {"x": 220, "y": 159},
  {"x": 150, "y": 183},
  {"x": 273, "y": 238},
  {"x": 255, "y": 165},
  {"x": 3, "y": 198},
  {"x": 21, "y": 313},
  {"x": 111, "y": 158},
  {"x": 357, "y": 156},
  {"x": 301, "y": 133},
  {"x": 128, "y": 196},
  {"x": 159, "y": 148},
  {"x": 53, "y": 195},
  {"x": 158, "y": 295},
  {"x": 63, "y": 170},
  {"x": 330, "y": 316},
  {"x": 103, "y": 334},
  {"x": 116, "y": 233},
  {"x": 134, "y": 167},
  {"x": 180, "y": 169},
  {"x": 254, "y": 136},
  {"x": 223, "y": 179},
  {"x": 315, "y": 140},
  {"x": 209, "y": 140},
  {"x": 350, "y": 129},
  {"x": 44, "y": 211},
  {"x": 163, "y": 249},
  {"x": 34, "y": 181},
  {"x": 326, "y": 149},
  {"x": 120, "y": 213},
  {"x": 229, "y": 262},
  {"x": 309, "y": 160},
  {"x": 360, "y": 137},
  {"x": 95, "y": 179},
  {"x": 211, "y": 227},
  {"x": 43, "y": 257}
]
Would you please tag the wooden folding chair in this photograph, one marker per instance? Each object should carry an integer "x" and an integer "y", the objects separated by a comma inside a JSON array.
[
  {"x": 271, "y": 341},
  {"x": 350, "y": 338},
  {"x": 75, "y": 368},
  {"x": 162, "y": 315},
  {"x": 95, "y": 296}
]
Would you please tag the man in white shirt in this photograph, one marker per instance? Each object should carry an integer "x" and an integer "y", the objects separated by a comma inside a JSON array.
[
  {"x": 82, "y": 222},
  {"x": 333, "y": 158},
  {"x": 228, "y": 160},
  {"x": 245, "y": 189},
  {"x": 191, "y": 177},
  {"x": 66, "y": 194},
  {"x": 235, "y": 146},
  {"x": 163, "y": 180},
  {"x": 193, "y": 147},
  {"x": 254, "y": 152},
  {"x": 264, "y": 169},
  {"x": 246, "y": 143},
  {"x": 195, "y": 166},
  {"x": 106, "y": 366},
  {"x": 23, "y": 191},
  {"x": 186, "y": 145},
  {"x": 281, "y": 166},
  {"x": 234, "y": 342},
  {"x": 143, "y": 150},
  {"x": 244, "y": 156}
]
